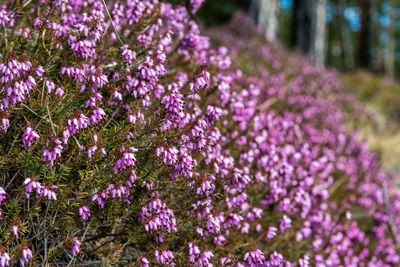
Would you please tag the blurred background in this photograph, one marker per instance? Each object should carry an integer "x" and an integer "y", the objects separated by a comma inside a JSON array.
[
  {"x": 345, "y": 34},
  {"x": 359, "y": 38}
]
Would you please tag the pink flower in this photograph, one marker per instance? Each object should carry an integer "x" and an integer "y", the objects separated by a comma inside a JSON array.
[
  {"x": 75, "y": 246},
  {"x": 6, "y": 124},
  {"x": 129, "y": 55},
  {"x": 84, "y": 212},
  {"x": 50, "y": 86},
  {"x": 53, "y": 153},
  {"x": 143, "y": 262},
  {"x": 169, "y": 155},
  {"x": 31, "y": 185},
  {"x": 304, "y": 262},
  {"x": 164, "y": 257},
  {"x": 254, "y": 258},
  {"x": 174, "y": 104},
  {"x": 59, "y": 92},
  {"x": 91, "y": 151},
  {"x": 271, "y": 233},
  {"x": 6, "y": 19},
  {"x": 4, "y": 259},
  {"x": 128, "y": 160},
  {"x": 46, "y": 192},
  {"x": 201, "y": 82},
  {"x": 285, "y": 223},
  {"x": 28, "y": 136},
  {"x": 15, "y": 231},
  {"x": 25, "y": 256},
  {"x": 2, "y": 194},
  {"x": 196, "y": 4}
]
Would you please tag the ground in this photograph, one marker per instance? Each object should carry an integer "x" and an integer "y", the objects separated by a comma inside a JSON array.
[{"x": 381, "y": 98}]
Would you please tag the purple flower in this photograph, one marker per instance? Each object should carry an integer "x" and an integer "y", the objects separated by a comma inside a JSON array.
[
  {"x": 143, "y": 262},
  {"x": 164, "y": 257},
  {"x": 157, "y": 216},
  {"x": 129, "y": 55},
  {"x": 254, "y": 258},
  {"x": 97, "y": 116},
  {"x": 204, "y": 258},
  {"x": 174, "y": 104},
  {"x": 15, "y": 231},
  {"x": 5, "y": 124},
  {"x": 53, "y": 153},
  {"x": 100, "y": 201},
  {"x": 84, "y": 212},
  {"x": 50, "y": 86},
  {"x": 25, "y": 256},
  {"x": 128, "y": 160},
  {"x": 91, "y": 151},
  {"x": 271, "y": 233},
  {"x": 59, "y": 92},
  {"x": 201, "y": 82},
  {"x": 77, "y": 123},
  {"x": 32, "y": 185},
  {"x": 275, "y": 259},
  {"x": 285, "y": 223},
  {"x": 28, "y": 136},
  {"x": 169, "y": 155},
  {"x": 4, "y": 259},
  {"x": 2, "y": 195},
  {"x": 304, "y": 262},
  {"x": 46, "y": 192},
  {"x": 6, "y": 19},
  {"x": 225, "y": 260},
  {"x": 134, "y": 117},
  {"x": 75, "y": 246}
]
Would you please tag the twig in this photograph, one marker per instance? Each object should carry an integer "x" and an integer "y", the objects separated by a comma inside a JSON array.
[
  {"x": 91, "y": 263},
  {"x": 87, "y": 228},
  {"x": 28, "y": 108},
  {"x": 12, "y": 179},
  {"x": 392, "y": 227},
  {"x": 112, "y": 22},
  {"x": 13, "y": 143},
  {"x": 267, "y": 104},
  {"x": 82, "y": 239},
  {"x": 112, "y": 116},
  {"x": 45, "y": 250},
  {"x": 26, "y": 3},
  {"x": 51, "y": 121}
]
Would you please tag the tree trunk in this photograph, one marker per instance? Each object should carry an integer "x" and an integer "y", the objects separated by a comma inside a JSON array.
[
  {"x": 345, "y": 34},
  {"x": 265, "y": 14},
  {"x": 391, "y": 47},
  {"x": 365, "y": 37},
  {"x": 253, "y": 10},
  {"x": 309, "y": 28},
  {"x": 302, "y": 24},
  {"x": 318, "y": 47},
  {"x": 293, "y": 28}
]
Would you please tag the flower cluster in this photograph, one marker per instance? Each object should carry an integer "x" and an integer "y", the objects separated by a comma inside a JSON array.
[
  {"x": 26, "y": 255},
  {"x": 28, "y": 136},
  {"x": 54, "y": 153},
  {"x": 157, "y": 217},
  {"x": 43, "y": 191},
  {"x": 155, "y": 148}
]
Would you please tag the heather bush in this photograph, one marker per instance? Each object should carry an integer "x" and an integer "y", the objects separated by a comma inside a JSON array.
[{"x": 129, "y": 140}]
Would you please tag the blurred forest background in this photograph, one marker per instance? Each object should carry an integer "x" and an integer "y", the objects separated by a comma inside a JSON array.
[
  {"x": 345, "y": 34},
  {"x": 360, "y": 38}
]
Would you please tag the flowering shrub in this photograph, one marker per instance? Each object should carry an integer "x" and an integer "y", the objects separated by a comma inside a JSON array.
[{"x": 127, "y": 139}]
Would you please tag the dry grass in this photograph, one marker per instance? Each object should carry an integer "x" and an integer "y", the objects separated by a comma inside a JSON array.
[{"x": 381, "y": 98}]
